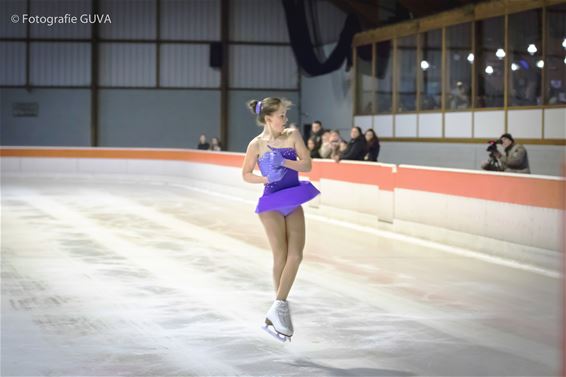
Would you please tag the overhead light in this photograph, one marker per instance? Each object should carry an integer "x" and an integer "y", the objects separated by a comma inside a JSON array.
[
  {"x": 532, "y": 49},
  {"x": 500, "y": 53},
  {"x": 540, "y": 63},
  {"x": 424, "y": 65},
  {"x": 564, "y": 43},
  {"x": 564, "y": 60},
  {"x": 470, "y": 57},
  {"x": 489, "y": 70},
  {"x": 514, "y": 66}
]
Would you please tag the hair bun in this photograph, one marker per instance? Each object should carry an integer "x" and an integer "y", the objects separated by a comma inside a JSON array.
[{"x": 252, "y": 105}]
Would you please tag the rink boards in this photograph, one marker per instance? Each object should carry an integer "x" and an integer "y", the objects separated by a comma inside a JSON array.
[{"x": 482, "y": 210}]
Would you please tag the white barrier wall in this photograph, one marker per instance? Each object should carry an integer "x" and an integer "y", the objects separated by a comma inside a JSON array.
[{"x": 479, "y": 210}]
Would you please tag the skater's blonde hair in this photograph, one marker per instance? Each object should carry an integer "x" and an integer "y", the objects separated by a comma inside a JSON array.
[{"x": 267, "y": 106}]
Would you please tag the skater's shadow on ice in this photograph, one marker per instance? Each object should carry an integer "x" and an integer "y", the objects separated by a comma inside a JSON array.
[{"x": 330, "y": 371}]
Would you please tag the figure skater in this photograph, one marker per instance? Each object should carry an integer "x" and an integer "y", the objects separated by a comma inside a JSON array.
[{"x": 275, "y": 151}]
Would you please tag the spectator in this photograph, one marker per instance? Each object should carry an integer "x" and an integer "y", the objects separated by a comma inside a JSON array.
[
  {"x": 343, "y": 146},
  {"x": 202, "y": 143},
  {"x": 513, "y": 158},
  {"x": 215, "y": 144},
  {"x": 459, "y": 97},
  {"x": 372, "y": 146},
  {"x": 325, "y": 149},
  {"x": 316, "y": 132},
  {"x": 334, "y": 141},
  {"x": 356, "y": 149},
  {"x": 311, "y": 145},
  {"x": 557, "y": 94}
]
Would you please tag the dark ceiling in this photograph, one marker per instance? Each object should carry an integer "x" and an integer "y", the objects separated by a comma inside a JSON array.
[{"x": 369, "y": 11}]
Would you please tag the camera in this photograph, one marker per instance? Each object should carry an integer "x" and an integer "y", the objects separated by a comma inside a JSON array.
[
  {"x": 493, "y": 163},
  {"x": 492, "y": 145}
]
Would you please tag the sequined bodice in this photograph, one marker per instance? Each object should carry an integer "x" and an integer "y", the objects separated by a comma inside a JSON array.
[{"x": 291, "y": 177}]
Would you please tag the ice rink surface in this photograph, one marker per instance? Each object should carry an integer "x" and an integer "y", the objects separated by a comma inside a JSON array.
[{"x": 112, "y": 278}]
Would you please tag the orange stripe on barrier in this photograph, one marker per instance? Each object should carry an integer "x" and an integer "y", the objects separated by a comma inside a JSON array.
[
  {"x": 224, "y": 159},
  {"x": 520, "y": 189},
  {"x": 546, "y": 193}
]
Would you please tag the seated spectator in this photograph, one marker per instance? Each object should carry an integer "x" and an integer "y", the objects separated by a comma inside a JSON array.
[
  {"x": 557, "y": 94},
  {"x": 459, "y": 97},
  {"x": 513, "y": 158},
  {"x": 311, "y": 145},
  {"x": 372, "y": 146},
  {"x": 325, "y": 149},
  {"x": 316, "y": 132},
  {"x": 356, "y": 148},
  {"x": 202, "y": 143},
  {"x": 334, "y": 141},
  {"x": 215, "y": 144}
]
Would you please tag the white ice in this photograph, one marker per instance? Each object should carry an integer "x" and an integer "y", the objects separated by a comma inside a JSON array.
[{"x": 105, "y": 277}]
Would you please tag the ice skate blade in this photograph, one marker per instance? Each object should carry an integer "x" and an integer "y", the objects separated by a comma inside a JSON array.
[{"x": 271, "y": 331}]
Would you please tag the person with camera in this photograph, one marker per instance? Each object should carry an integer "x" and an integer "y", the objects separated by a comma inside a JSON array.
[{"x": 512, "y": 158}]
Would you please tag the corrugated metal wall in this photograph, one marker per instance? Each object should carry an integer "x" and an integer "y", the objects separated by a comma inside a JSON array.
[
  {"x": 60, "y": 8},
  {"x": 260, "y": 61},
  {"x": 134, "y": 64},
  {"x": 60, "y": 64},
  {"x": 12, "y": 63},
  {"x": 190, "y": 20},
  {"x": 131, "y": 19},
  {"x": 7, "y": 28},
  {"x": 186, "y": 65},
  {"x": 263, "y": 67},
  {"x": 257, "y": 21},
  {"x": 127, "y": 64}
]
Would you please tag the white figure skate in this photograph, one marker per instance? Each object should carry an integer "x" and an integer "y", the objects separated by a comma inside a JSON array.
[{"x": 278, "y": 321}]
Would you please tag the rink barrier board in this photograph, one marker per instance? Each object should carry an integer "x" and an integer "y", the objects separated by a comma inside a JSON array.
[
  {"x": 537, "y": 191},
  {"x": 525, "y": 210}
]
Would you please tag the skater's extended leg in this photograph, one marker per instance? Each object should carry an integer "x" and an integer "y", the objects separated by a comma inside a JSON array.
[
  {"x": 274, "y": 224},
  {"x": 295, "y": 243}
]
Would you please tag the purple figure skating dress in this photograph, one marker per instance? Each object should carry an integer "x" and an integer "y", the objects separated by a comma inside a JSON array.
[{"x": 288, "y": 193}]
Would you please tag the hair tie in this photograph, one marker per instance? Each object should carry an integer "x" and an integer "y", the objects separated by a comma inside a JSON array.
[{"x": 258, "y": 107}]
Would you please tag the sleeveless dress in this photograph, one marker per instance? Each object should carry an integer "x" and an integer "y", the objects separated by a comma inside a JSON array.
[{"x": 288, "y": 193}]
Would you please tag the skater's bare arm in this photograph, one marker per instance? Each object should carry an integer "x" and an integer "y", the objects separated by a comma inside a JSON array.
[
  {"x": 250, "y": 162},
  {"x": 304, "y": 162}
]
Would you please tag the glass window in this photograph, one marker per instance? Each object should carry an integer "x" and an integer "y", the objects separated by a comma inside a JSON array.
[
  {"x": 431, "y": 68},
  {"x": 459, "y": 60},
  {"x": 365, "y": 82},
  {"x": 383, "y": 69},
  {"x": 555, "y": 64},
  {"x": 525, "y": 58},
  {"x": 490, "y": 62},
  {"x": 407, "y": 74}
]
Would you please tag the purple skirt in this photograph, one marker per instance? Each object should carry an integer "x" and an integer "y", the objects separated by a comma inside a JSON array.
[{"x": 286, "y": 200}]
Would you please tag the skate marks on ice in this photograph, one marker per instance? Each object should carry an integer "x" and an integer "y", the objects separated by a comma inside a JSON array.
[
  {"x": 104, "y": 325},
  {"x": 193, "y": 289},
  {"x": 179, "y": 311}
]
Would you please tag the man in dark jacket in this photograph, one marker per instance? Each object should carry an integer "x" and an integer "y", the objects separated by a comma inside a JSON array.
[{"x": 356, "y": 149}]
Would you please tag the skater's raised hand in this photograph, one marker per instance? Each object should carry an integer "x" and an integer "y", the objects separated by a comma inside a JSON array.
[
  {"x": 276, "y": 174},
  {"x": 275, "y": 158},
  {"x": 270, "y": 166}
]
